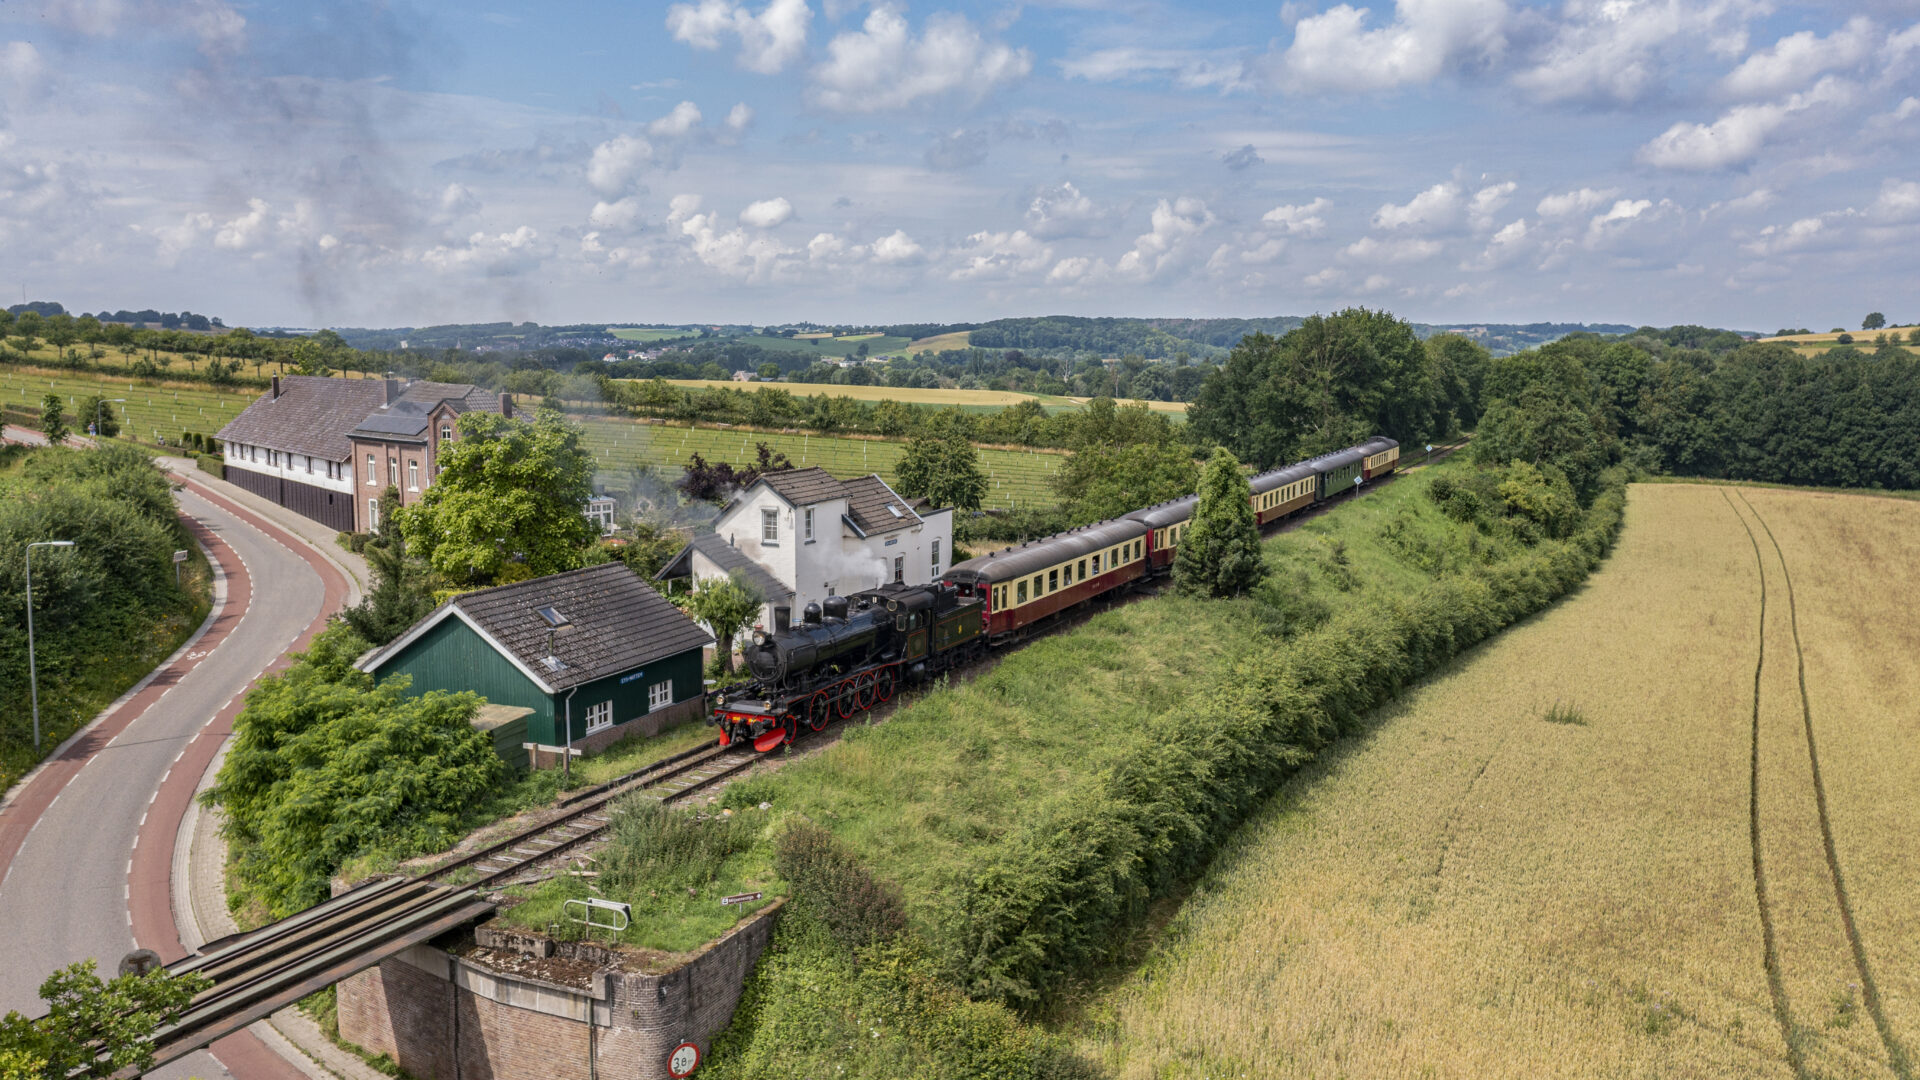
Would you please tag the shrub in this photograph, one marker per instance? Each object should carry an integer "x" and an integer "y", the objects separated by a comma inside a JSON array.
[
  {"x": 211, "y": 464},
  {"x": 825, "y": 877}
]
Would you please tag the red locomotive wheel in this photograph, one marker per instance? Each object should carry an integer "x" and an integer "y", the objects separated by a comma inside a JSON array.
[
  {"x": 845, "y": 699},
  {"x": 884, "y": 681},
  {"x": 819, "y": 710},
  {"x": 863, "y": 698}
]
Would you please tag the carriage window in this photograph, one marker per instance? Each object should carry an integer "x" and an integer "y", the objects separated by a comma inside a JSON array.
[
  {"x": 1096, "y": 564},
  {"x": 1066, "y": 574},
  {"x": 1053, "y": 580},
  {"x": 1083, "y": 569},
  {"x": 1021, "y": 592}
]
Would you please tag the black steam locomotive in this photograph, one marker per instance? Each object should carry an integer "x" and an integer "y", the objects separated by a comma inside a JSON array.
[{"x": 846, "y": 655}]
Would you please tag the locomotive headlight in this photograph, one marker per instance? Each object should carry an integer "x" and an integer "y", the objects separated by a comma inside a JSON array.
[{"x": 759, "y": 637}]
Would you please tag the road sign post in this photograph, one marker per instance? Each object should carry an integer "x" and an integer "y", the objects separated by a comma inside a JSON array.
[{"x": 178, "y": 558}]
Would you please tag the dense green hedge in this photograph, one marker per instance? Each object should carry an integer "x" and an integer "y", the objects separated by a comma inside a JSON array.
[
  {"x": 1057, "y": 895},
  {"x": 210, "y": 464}
]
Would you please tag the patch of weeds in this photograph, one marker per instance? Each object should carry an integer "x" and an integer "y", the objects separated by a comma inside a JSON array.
[
  {"x": 1563, "y": 713},
  {"x": 1846, "y": 1006}
]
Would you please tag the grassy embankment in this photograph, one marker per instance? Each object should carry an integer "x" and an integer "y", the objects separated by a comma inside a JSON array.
[
  {"x": 104, "y": 617},
  {"x": 1035, "y": 819},
  {"x": 650, "y": 335},
  {"x": 152, "y": 409},
  {"x": 1543, "y": 863},
  {"x": 827, "y": 346}
]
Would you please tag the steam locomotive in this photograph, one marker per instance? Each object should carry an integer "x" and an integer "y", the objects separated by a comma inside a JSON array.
[
  {"x": 855, "y": 652},
  {"x": 846, "y": 656}
]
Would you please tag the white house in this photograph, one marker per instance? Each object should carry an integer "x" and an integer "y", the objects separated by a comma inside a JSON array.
[{"x": 801, "y": 535}]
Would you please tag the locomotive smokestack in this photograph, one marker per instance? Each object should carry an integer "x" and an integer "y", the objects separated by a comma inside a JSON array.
[{"x": 782, "y": 618}]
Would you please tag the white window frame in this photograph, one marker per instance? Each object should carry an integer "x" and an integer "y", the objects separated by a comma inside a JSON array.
[
  {"x": 413, "y": 474},
  {"x": 373, "y": 514},
  {"x": 599, "y": 717},
  {"x": 769, "y": 526},
  {"x": 899, "y": 569},
  {"x": 660, "y": 695},
  {"x": 371, "y": 479},
  {"x": 808, "y": 513},
  {"x": 936, "y": 556},
  {"x": 446, "y": 432}
]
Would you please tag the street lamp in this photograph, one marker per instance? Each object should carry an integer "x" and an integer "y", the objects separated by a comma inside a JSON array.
[
  {"x": 96, "y": 413},
  {"x": 33, "y": 673}
]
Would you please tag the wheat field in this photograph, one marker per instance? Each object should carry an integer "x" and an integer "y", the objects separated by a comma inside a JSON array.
[{"x": 1542, "y": 863}]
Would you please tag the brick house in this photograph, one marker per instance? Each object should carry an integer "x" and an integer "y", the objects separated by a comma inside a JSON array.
[
  {"x": 328, "y": 447},
  {"x": 583, "y": 658}
]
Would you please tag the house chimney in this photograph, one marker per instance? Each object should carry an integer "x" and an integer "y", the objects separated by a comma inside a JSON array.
[
  {"x": 276, "y": 386},
  {"x": 782, "y": 618},
  {"x": 394, "y": 389},
  {"x": 506, "y": 406}
]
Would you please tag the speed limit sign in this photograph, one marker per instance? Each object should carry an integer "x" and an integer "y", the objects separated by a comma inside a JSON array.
[{"x": 684, "y": 1059}]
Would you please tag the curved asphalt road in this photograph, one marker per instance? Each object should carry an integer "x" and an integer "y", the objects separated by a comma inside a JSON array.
[{"x": 65, "y": 895}]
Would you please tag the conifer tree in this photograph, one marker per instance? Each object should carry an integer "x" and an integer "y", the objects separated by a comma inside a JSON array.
[
  {"x": 52, "y": 424},
  {"x": 1220, "y": 553}
]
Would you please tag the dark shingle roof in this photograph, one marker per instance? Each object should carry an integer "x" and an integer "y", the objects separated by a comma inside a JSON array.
[
  {"x": 868, "y": 499},
  {"x": 312, "y": 415},
  {"x": 618, "y": 623},
  {"x": 804, "y": 487},
  {"x": 728, "y": 558}
]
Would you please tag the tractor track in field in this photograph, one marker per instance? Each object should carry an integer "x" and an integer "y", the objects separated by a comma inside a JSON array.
[
  {"x": 1770, "y": 952},
  {"x": 1897, "y": 1057}
]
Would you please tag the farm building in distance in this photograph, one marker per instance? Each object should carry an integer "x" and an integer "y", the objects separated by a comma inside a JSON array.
[
  {"x": 580, "y": 659},
  {"x": 800, "y": 535}
]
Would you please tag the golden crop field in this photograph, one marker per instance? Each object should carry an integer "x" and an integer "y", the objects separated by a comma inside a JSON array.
[
  {"x": 995, "y": 399},
  {"x": 1595, "y": 847},
  {"x": 959, "y": 339}
]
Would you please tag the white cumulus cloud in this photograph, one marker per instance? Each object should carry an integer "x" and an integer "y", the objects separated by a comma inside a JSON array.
[
  {"x": 1794, "y": 60},
  {"x": 766, "y": 213},
  {"x": 1066, "y": 211},
  {"x": 616, "y": 162},
  {"x": 1777, "y": 240},
  {"x": 684, "y": 118},
  {"x": 769, "y": 41},
  {"x": 1738, "y": 134},
  {"x": 883, "y": 66},
  {"x": 1574, "y": 202},
  {"x": 1335, "y": 50},
  {"x": 1899, "y": 200},
  {"x": 1173, "y": 222},
  {"x": 1620, "y": 50},
  {"x": 620, "y": 214},
  {"x": 1305, "y": 218},
  {"x": 1436, "y": 207},
  {"x": 1401, "y": 250},
  {"x": 996, "y": 255},
  {"x": 242, "y": 231},
  {"x": 739, "y": 118},
  {"x": 1487, "y": 202},
  {"x": 897, "y": 248}
]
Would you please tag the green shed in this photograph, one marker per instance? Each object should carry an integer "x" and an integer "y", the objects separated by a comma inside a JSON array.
[{"x": 595, "y": 646}]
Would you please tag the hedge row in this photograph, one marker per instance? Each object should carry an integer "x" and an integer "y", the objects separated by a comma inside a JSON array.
[
  {"x": 1058, "y": 894},
  {"x": 209, "y": 463}
]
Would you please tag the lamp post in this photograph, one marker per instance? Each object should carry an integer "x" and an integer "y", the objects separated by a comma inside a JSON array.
[
  {"x": 33, "y": 673},
  {"x": 96, "y": 413}
]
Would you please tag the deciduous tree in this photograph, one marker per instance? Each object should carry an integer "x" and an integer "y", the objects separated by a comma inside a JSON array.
[
  {"x": 52, "y": 423},
  {"x": 93, "y": 1027},
  {"x": 1220, "y": 553},
  {"x": 726, "y": 605},
  {"x": 1873, "y": 321},
  {"x": 510, "y": 492},
  {"x": 942, "y": 466}
]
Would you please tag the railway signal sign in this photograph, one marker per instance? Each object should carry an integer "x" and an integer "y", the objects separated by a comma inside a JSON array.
[{"x": 684, "y": 1059}]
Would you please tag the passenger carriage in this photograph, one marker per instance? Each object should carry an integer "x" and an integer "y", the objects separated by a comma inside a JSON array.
[{"x": 1026, "y": 584}]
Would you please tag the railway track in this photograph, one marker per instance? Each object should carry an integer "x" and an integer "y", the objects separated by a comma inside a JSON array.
[{"x": 589, "y": 814}]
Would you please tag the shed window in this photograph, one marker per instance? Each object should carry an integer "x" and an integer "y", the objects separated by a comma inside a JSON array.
[
  {"x": 599, "y": 717},
  {"x": 769, "y": 526},
  {"x": 660, "y": 695}
]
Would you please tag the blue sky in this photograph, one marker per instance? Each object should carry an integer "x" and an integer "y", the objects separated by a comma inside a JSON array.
[{"x": 1732, "y": 162}]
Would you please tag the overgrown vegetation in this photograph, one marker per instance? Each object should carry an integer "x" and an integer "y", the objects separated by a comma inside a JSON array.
[
  {"x": 105, "y": 610},
  {"x": 94, "y": 1027},
  {"x": 325, "y": 765},
  {"x": 1031, "y": 819}
]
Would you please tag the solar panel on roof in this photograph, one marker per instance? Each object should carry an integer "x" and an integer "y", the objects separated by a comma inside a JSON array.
[{"x": 553, "y": 616}]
